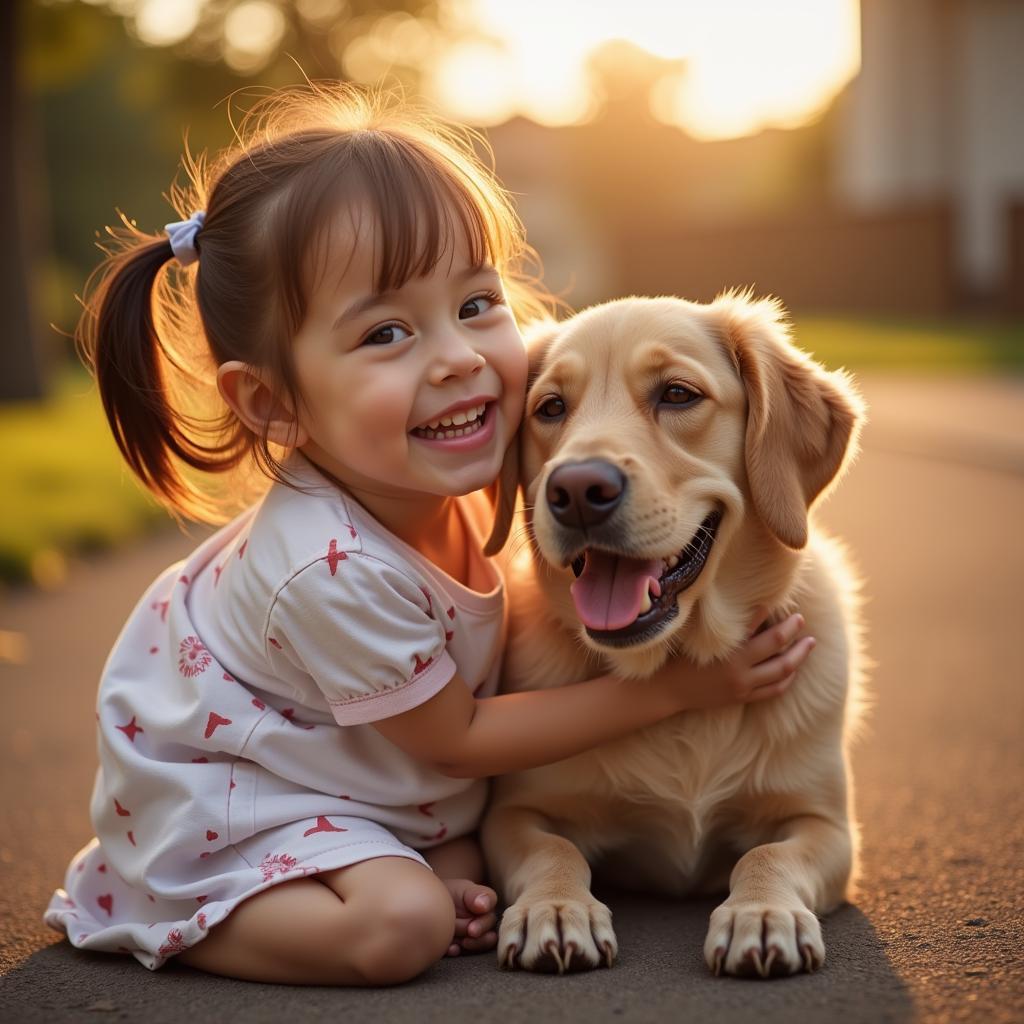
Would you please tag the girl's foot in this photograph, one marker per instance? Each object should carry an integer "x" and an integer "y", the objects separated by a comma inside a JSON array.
[{"x": 475, "y": 916}]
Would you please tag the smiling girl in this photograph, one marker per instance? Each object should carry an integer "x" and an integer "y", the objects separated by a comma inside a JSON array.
[{"x": 296, "y": 722}]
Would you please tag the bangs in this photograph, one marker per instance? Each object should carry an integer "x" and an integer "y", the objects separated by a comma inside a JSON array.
[{"x": 421, "y": 204}]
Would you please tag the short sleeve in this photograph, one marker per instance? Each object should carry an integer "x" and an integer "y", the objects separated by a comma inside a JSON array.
[{"x": 365, "y": 634}]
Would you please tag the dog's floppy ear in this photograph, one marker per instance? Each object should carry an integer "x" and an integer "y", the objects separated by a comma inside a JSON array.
[
  {"x": 802, "y": 421},
  {"x": 538, "y": 337}
]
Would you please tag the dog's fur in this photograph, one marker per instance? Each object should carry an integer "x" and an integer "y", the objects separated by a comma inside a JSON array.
[{"x": 757, "y": 796}]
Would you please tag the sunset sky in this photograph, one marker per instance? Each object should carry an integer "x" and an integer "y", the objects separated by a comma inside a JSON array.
[{"x": 730, "y": 68}]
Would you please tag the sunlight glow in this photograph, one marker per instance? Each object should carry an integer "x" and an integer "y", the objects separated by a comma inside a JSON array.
[
  {"x": 165, "y": 22},
  {"x": 252, "y": 31},
  {"x": 732, "y": 67}
]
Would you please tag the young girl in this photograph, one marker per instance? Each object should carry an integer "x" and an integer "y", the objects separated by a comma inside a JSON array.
[{"x": 295, "y": 723}]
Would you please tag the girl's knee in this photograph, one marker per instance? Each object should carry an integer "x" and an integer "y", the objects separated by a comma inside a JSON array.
[{"x": 405, "y": 930}]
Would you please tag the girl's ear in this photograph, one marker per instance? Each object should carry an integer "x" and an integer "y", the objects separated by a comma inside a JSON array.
[
  {"x": 252, "y": 401},
  {"x": 538, "y": 337}
]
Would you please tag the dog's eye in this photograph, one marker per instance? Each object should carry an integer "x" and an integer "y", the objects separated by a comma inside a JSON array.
[
  {"x": 680, "y": 395},
  {"x": 551, "y": 408}
]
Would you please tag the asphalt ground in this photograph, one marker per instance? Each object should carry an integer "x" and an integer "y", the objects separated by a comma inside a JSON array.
[{"x": 932, "y": 512}]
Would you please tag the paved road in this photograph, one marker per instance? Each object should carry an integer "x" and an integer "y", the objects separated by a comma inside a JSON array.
[{"x": 933, "y": 512}]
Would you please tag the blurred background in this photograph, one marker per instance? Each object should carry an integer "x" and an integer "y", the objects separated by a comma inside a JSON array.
[{"x": 863, "y": 160}]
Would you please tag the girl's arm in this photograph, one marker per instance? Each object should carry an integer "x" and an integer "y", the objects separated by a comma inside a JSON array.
[{"x": 468, "y": 738}]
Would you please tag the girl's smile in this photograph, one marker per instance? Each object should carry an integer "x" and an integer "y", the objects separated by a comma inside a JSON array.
[{"x": 412, "y": 394}]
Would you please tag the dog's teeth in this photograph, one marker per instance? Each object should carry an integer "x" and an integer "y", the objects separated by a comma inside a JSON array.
[
  {"x": 673, "y": 561},
  {"x": 645, "y": 604}
]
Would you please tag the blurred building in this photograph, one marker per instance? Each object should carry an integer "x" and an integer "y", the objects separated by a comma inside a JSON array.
[
  {"x": 907, "y": 197},
  {"x": 936, "y": 119}
]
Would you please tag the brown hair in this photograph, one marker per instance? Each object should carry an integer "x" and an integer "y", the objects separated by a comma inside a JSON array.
[{"x": 153, "y": 331}]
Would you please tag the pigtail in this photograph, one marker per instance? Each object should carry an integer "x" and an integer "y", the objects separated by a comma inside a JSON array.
[{"x": 118, "y": 339}]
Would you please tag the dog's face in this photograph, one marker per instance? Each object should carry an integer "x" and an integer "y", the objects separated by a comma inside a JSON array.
[{"x": 658, "y": 432}]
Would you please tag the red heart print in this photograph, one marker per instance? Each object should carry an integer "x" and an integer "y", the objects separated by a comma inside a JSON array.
[
  {"x": 107, "y": 903},
  {"x": 211, "y": 835}
]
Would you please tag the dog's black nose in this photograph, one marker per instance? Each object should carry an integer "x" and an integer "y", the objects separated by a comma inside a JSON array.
[{"x": 585, "y": 493}]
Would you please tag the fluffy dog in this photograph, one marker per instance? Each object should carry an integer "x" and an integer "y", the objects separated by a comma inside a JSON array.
[{"x": 669, "y": 457}]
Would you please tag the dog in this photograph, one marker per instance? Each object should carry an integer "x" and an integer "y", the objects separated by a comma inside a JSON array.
[{"x": 693, "y": 438}]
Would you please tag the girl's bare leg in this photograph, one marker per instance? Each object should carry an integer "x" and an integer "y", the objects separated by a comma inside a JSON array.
[
  {"x": 379, "y": 922},
  {"x": 460, "y": 865}
]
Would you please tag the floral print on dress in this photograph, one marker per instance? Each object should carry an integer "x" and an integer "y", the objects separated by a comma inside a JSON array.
[
  {"x": 277, "y": 864},
  {"x": 174, "y": 943},
  {"x": 193, "y": 657}
]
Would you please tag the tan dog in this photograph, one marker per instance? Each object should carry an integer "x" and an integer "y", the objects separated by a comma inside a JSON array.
[{"x": 669, "y": 455}]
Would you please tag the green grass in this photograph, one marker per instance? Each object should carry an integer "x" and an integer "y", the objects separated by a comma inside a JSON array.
[
  {"x": 907, "y": 346},
  {"x": 65, "y": 488}
]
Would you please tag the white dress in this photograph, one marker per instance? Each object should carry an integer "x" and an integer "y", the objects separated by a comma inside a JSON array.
[{"x": 233, "y": 717}]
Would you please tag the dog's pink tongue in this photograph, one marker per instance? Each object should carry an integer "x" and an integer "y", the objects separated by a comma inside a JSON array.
[{"x": 608, "y": 593}]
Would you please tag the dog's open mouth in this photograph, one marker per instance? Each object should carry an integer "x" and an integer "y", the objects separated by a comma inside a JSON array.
[{"x": 623, "y": 601}]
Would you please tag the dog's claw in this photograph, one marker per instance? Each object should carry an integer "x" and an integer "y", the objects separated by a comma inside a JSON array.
[
  {"x": 551, "y": 948},
  {"x": 609, "y": 954}
]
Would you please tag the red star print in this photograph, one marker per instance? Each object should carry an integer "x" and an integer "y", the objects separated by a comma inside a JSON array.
[
  {"x": 448, "y": 634},
  {"x": 440, "y": 834},
  {"x": 106, "y": 901},
  {"x": 212, "y": 722},
  {"x": 425, "y": 808},
  {"x": 162, "y": 606},
  {"x": 430, "y": 604},
  {"x": 451, "y": 612},
  {"x": 421, "y": 665},
  {"x": 228, "y": 677},
  {"x": 200, "y": 760},
  {"x": 323, "y": 825},
  {"x": 241, "y": 550},
  {"x": 131, "y": 838},
  {"x": 352, "y": 530},
  {"x": 257, "y": 703},
  {"x": 274, "y": 643},
  {"x": 154, "y": 650},
  {"x": 130, "y": 729},
  {"x": 124, "y": 813},
  {"x": 217, "y": 570},
  {"x": 334, "y": 556},
  {"x": 183, "y": 579},
  {"x": 201, "y": 920}
]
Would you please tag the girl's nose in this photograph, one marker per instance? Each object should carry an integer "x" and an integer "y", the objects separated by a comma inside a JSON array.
[{"x": 455, "y": 358}]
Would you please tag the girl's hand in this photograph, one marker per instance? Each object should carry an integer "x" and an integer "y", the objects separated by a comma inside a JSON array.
[{"x": 762, "y": 668}]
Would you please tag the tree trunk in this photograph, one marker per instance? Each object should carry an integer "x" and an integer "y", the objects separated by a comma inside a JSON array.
[{"x": 22, "y": 361}]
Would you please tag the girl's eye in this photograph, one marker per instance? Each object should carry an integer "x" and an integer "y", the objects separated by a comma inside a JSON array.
[
  {"x": 387, "y": 335},
  {"x": 478, "y": 305},
  {"x": 551, "y": 408},
  {"x": 680, "y": 396}
]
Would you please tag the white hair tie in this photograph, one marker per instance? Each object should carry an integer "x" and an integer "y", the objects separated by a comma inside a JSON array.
[{"x": 182, "y": 234}]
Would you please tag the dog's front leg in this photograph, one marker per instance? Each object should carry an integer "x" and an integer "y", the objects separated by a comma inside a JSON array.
[
  {"x": 553, "y": 922},
  {"x": 769, "y": 923}
]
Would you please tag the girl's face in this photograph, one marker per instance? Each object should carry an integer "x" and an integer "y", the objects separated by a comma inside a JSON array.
[{"x": 418, "y": 391}]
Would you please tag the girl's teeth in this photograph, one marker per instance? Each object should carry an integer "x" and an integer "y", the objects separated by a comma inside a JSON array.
[{"x": 459, "y": 418}]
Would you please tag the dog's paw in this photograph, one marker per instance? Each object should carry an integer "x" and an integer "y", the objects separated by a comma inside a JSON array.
[
  {"x": 556, "y": 936},
  {"x": 763, "y": 940}
]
